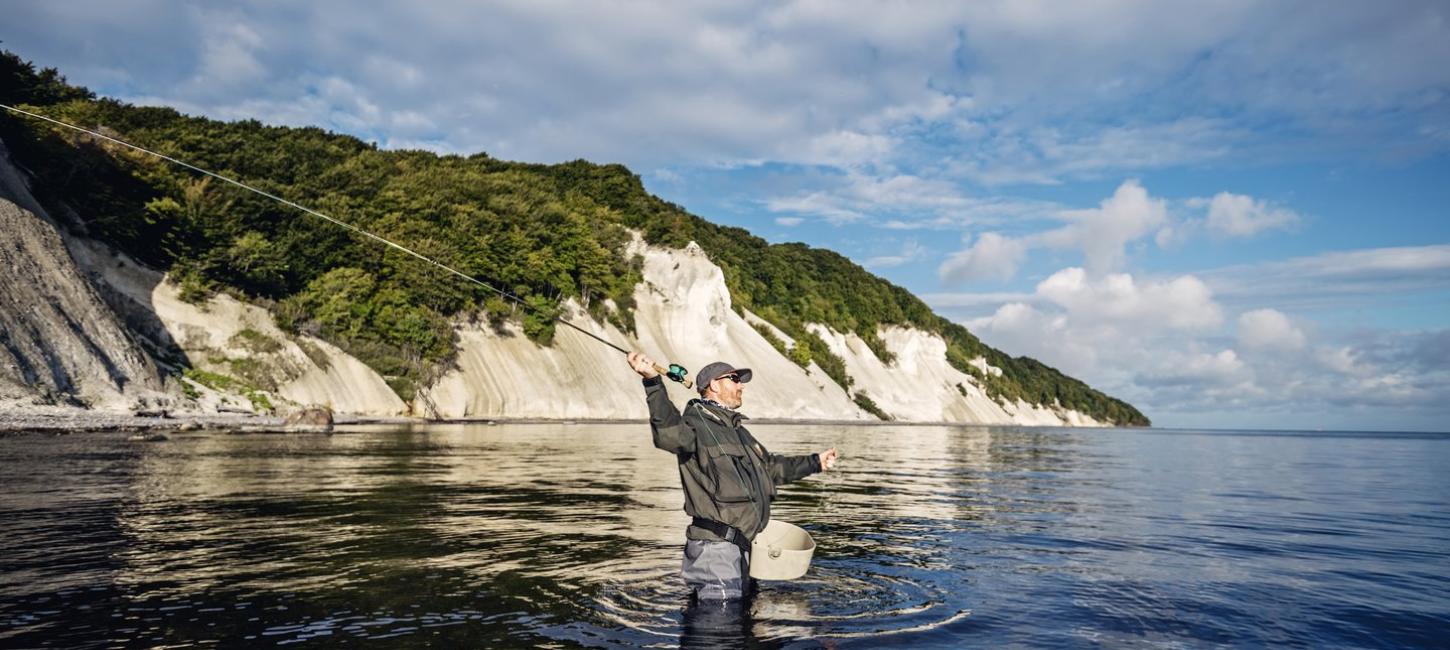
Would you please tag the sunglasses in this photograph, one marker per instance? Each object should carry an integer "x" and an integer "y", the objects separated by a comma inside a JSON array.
[{"x": 732, "y": 377}]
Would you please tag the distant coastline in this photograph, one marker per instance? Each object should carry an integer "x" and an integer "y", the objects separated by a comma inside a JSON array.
[{"x": 52, "y": 419}]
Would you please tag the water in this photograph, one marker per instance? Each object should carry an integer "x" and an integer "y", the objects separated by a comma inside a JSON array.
[{"x": 570, "y": 535}]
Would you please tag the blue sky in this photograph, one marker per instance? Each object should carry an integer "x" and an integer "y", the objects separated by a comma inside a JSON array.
[{"x": 1230, "y": 214}]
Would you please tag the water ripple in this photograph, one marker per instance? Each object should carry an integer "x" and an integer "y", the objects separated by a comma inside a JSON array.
[{"x": 541, "y": 535}]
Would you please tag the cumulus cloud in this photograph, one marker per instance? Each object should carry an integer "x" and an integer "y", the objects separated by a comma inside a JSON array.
[
  {"x": 1074, "y": 321},
  {"x": 1183, "y": 302},
  {"x": 1048, "y": 335},
  {"x": 1268, "y": 329},
  {"x": 1103, "y": 233},
  {"x": 1199, "y": 369},
  {"x": 1164, "y": 345},
  {"x": 992, "y": 256},
  {"x": 1236, "y": 215}
]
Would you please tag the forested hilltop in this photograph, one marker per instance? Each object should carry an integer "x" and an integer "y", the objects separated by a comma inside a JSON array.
[{"x": 547, "y": 233}]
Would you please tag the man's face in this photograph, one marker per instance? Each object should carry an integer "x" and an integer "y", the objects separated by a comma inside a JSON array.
[{"x": 728, "y": 390}]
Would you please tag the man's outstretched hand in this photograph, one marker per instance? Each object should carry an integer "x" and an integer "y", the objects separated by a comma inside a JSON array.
[
  {"x": 828, "y": 458},
  {"x": 643, "y": 365}
]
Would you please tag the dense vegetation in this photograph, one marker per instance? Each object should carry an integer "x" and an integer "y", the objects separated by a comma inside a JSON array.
[{"x": 543, "y": 232}]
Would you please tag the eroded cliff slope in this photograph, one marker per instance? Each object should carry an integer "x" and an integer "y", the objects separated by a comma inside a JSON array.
[{"x": 59, "y": 341}]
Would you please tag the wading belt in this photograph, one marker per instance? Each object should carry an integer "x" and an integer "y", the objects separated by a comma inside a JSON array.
[{"x": 725, "y": 531}]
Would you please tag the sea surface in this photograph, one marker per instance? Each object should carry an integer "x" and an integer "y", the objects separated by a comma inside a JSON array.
[{"x": 567, "y": 535}]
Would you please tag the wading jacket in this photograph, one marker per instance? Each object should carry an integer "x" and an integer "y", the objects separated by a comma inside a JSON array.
[{"x": 727, "y": 474}]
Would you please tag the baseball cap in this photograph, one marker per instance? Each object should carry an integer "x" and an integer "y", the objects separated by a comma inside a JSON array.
[{"x": 715, "y": 371}]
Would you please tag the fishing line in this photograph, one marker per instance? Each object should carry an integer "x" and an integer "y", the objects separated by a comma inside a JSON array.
[{"x": 675, "y": 372}]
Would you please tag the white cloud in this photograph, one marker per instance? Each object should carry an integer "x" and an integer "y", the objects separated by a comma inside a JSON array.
[
  {"x": 1127, "y": 86},
  {"x": 992, "y": 256},
  {"x": 1050, "y": 336},
  {"x": 1268, "y": 329},
  {"x": 844, "y": 149},
  {"x": 788, "y": 221},
  {"x": 1203, "y": 369},
  {"x": 1236, "y": 215},
  {"x": 665, "y": 175},
  {"x": 1342, "y": 359},
  {"x": 1104, "y": 232},
  {"x": 1163, "y": 345},
  {"x": 1224, "y": 215},
  {"x": 821, "y": 204},
  {"x": 228, "y": 59},
  {"x": 1117, "y": 299},
  {"x": 1079, "y": 322}
]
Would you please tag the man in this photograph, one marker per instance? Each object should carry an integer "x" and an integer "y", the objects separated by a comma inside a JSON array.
[{"x": 728, "y": 476}]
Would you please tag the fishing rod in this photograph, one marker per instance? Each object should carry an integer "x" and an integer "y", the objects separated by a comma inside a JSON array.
[{"x": 675, "y": 372}]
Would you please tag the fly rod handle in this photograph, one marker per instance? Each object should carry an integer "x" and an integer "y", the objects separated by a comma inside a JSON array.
[{"x": 680, "y": 378}]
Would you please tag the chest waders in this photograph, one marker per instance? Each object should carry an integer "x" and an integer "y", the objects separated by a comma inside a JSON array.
[
  {"x": 726, "y": 531},
  {"x": 780, "y": 550}
]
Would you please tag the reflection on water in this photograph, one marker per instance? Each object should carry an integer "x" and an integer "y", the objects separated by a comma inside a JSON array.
[{"x": 513, "y": 535}]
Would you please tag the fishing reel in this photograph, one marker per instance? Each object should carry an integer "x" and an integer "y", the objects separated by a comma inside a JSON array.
[
  {"x": 678, "y": 373},
  {"x": 675, "y": 372}
]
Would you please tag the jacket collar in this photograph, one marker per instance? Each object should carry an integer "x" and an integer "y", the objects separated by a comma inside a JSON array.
[{"x": 721, "y": 412}]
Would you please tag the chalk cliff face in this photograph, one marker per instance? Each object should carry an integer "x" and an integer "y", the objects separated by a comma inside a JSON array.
[
  {"x": 83, "y": 325},
  {"x": 232, "y": 339},
  {"x": 921, "y": 386},
  {"x": 59, "y": 341},
  {"x": 683, "y": 315}
]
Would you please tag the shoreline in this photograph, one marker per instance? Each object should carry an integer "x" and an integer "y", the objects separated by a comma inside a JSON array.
[{"x": 53, "y": 419}]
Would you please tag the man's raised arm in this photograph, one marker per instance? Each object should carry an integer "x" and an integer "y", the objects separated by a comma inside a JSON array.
[{"x": 669, "y": 429}]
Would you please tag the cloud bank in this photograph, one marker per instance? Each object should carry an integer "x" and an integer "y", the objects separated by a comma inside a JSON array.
[
  {"x": 933, "y": 89},
  {"x": 1174, "y": 346}
]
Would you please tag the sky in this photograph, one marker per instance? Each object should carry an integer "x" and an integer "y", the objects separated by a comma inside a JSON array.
[{"x": 1229, "y": 214}]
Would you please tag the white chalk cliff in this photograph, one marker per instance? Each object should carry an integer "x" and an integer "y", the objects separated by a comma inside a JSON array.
[
  {"x": 59, "y": 341},
  {"x": 222, "y": 334},
  {"x": 683, "y": 315}
]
